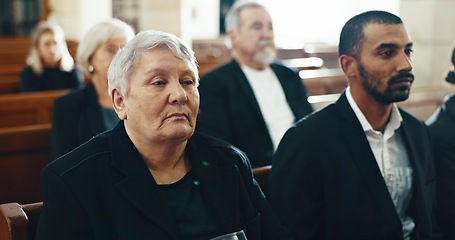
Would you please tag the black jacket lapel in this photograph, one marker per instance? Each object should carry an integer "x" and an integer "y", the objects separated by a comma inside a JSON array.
[
  {"x": 219, "y": 184},
  {"x": 364, "y": 158},
  {"x": 138, "y": 186}
]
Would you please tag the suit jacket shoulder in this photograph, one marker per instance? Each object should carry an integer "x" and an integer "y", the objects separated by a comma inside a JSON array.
[{"x": 77, "y": 117}]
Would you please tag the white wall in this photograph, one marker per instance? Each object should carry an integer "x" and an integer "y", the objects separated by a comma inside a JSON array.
[
  {"x": 204, "y": 23},
  {"x": 429, "y": 22},
  {"x": 77, "y": 16},
  {"x": 317, "y": 21}
]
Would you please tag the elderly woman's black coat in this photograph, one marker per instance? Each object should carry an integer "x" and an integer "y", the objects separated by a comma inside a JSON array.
[{"x": 104, "y": 190}]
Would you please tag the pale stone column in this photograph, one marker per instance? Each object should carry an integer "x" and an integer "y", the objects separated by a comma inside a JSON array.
[
  {"x": 187, "y": 19},
  {"x": 161, "y": 15},
  {"x": 77, "y": 16},
  {"x": 431, "y": 24}
]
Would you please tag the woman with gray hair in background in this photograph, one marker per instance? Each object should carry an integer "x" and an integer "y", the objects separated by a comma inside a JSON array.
[
  {"x": 86, "y": 112},
  {"x": 153, "y": 176},
  {"x": 49, "y": 63}
]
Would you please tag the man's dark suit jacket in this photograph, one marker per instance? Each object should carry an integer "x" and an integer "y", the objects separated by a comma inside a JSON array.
[
  {"x": 104, "y": 190},
  {"x": 442, "y": 129},
  {"x": 77, "y": 117},
  {"x": 325, "y": 182},
  {"x": 229, "y": 109}
]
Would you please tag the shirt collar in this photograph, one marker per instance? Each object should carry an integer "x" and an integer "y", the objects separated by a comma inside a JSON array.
[{"x": 395, "y": 116}]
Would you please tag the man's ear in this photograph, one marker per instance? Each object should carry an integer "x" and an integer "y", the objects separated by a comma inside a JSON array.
[
  {"x": 118, "y": 101},
  {"x": 349, "y": 66}
]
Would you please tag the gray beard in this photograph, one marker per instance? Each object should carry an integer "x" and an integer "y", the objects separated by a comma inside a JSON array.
[{"x": 266, "y": 56}]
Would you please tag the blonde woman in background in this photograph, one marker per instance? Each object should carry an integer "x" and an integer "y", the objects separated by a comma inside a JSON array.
[
  {"x": 49, "y": 63},
  {"x": 86, "y": 112}
]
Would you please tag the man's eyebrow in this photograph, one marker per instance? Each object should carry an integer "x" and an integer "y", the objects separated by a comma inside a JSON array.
[{"x": 393, "y": 45}]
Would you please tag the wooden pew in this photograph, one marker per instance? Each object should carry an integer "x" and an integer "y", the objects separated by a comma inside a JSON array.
[
  {"x": 19, "y": 222},
  {"x": 323, "y": 81},
  {"x": 21, "y": 109},
  {"x": 261, "y": 174},
  {"x": 24, "y": 151},
  {"x": 14, "y": 49},
  {"x": 422, "y": 102},
  {"x": 301, "y": 64},
  {"x": 9, "y": 77}
]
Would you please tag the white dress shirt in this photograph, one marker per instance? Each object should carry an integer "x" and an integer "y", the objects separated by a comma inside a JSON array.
[{"x": 392, "y": 159}]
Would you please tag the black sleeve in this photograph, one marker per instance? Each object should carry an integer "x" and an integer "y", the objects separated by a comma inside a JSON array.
[
  {"x": 296, "y": 187},
  {"x": 270, "y": 227},
  {"x": 59, "y": 202}
]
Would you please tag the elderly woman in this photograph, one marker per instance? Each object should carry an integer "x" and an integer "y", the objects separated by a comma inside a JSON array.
[
  {"x": 86, "y": 112},
  {"x": 152, "y": 176},
  {"x": 49, "y": 63},
  {"x": 442, "y": 128}
]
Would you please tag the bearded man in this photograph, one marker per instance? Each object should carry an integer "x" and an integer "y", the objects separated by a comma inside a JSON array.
[
  {"x": 360, "y": 168},
  {"x": 251, "y": 102}
]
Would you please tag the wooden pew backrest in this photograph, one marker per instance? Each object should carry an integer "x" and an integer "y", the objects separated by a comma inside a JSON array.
[
  {"x": 19, "y": 222},
  {"x": 24, "y": 151},
  {"x": 422, "y": 102},
  {"x": 20, "y": 109},
  {"x": 261, "y": 174},
  {"x": 323, "y": 81}
]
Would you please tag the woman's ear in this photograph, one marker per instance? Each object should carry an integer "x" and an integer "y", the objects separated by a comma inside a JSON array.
[{"x": 118, "y": 100}]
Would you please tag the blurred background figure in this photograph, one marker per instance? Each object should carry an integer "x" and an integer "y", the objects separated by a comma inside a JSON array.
[
  {"x": 250, "y": 102},
  {"x": 442, "y": 129},
  {"x": 49, "y": 63},
  {"x": 87, "y": 112}
]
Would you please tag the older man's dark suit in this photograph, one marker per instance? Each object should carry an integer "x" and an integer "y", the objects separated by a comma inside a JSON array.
[
  {"x": 325, "y": 182},
  {"x": 77, "y": 117},
  {"x": 229, "y": 109}
]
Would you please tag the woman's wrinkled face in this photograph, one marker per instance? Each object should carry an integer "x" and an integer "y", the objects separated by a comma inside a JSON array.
[
  {"x": 162, "y": 101},
  {"x": 48, "y": 49}
]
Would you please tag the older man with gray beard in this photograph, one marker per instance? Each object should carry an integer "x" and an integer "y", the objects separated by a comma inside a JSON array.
[{"x": 251, "y": 102}]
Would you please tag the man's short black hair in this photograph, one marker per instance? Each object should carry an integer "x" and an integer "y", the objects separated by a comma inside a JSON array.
[{"x": 352, "y": 34}]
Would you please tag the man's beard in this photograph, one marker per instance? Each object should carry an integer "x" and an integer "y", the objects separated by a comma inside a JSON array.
[
  {"x": 266, "y": 52},
  {"x": 371, "y": 84}
]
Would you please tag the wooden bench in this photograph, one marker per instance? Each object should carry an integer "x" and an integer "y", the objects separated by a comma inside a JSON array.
[
  {"x": 24, "y": 151},
  {"x": 10, "y": 77},
  {"x": 301, "y": 64},
  {"x": 14, "y": 49},
  {"x": 21, "y": 109},
  {"x": 19, "y": 222},
  {"x": 422, "y": 102},
  {"x": 261, "y": 174},
  {"x": 323, "y": 81}
]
